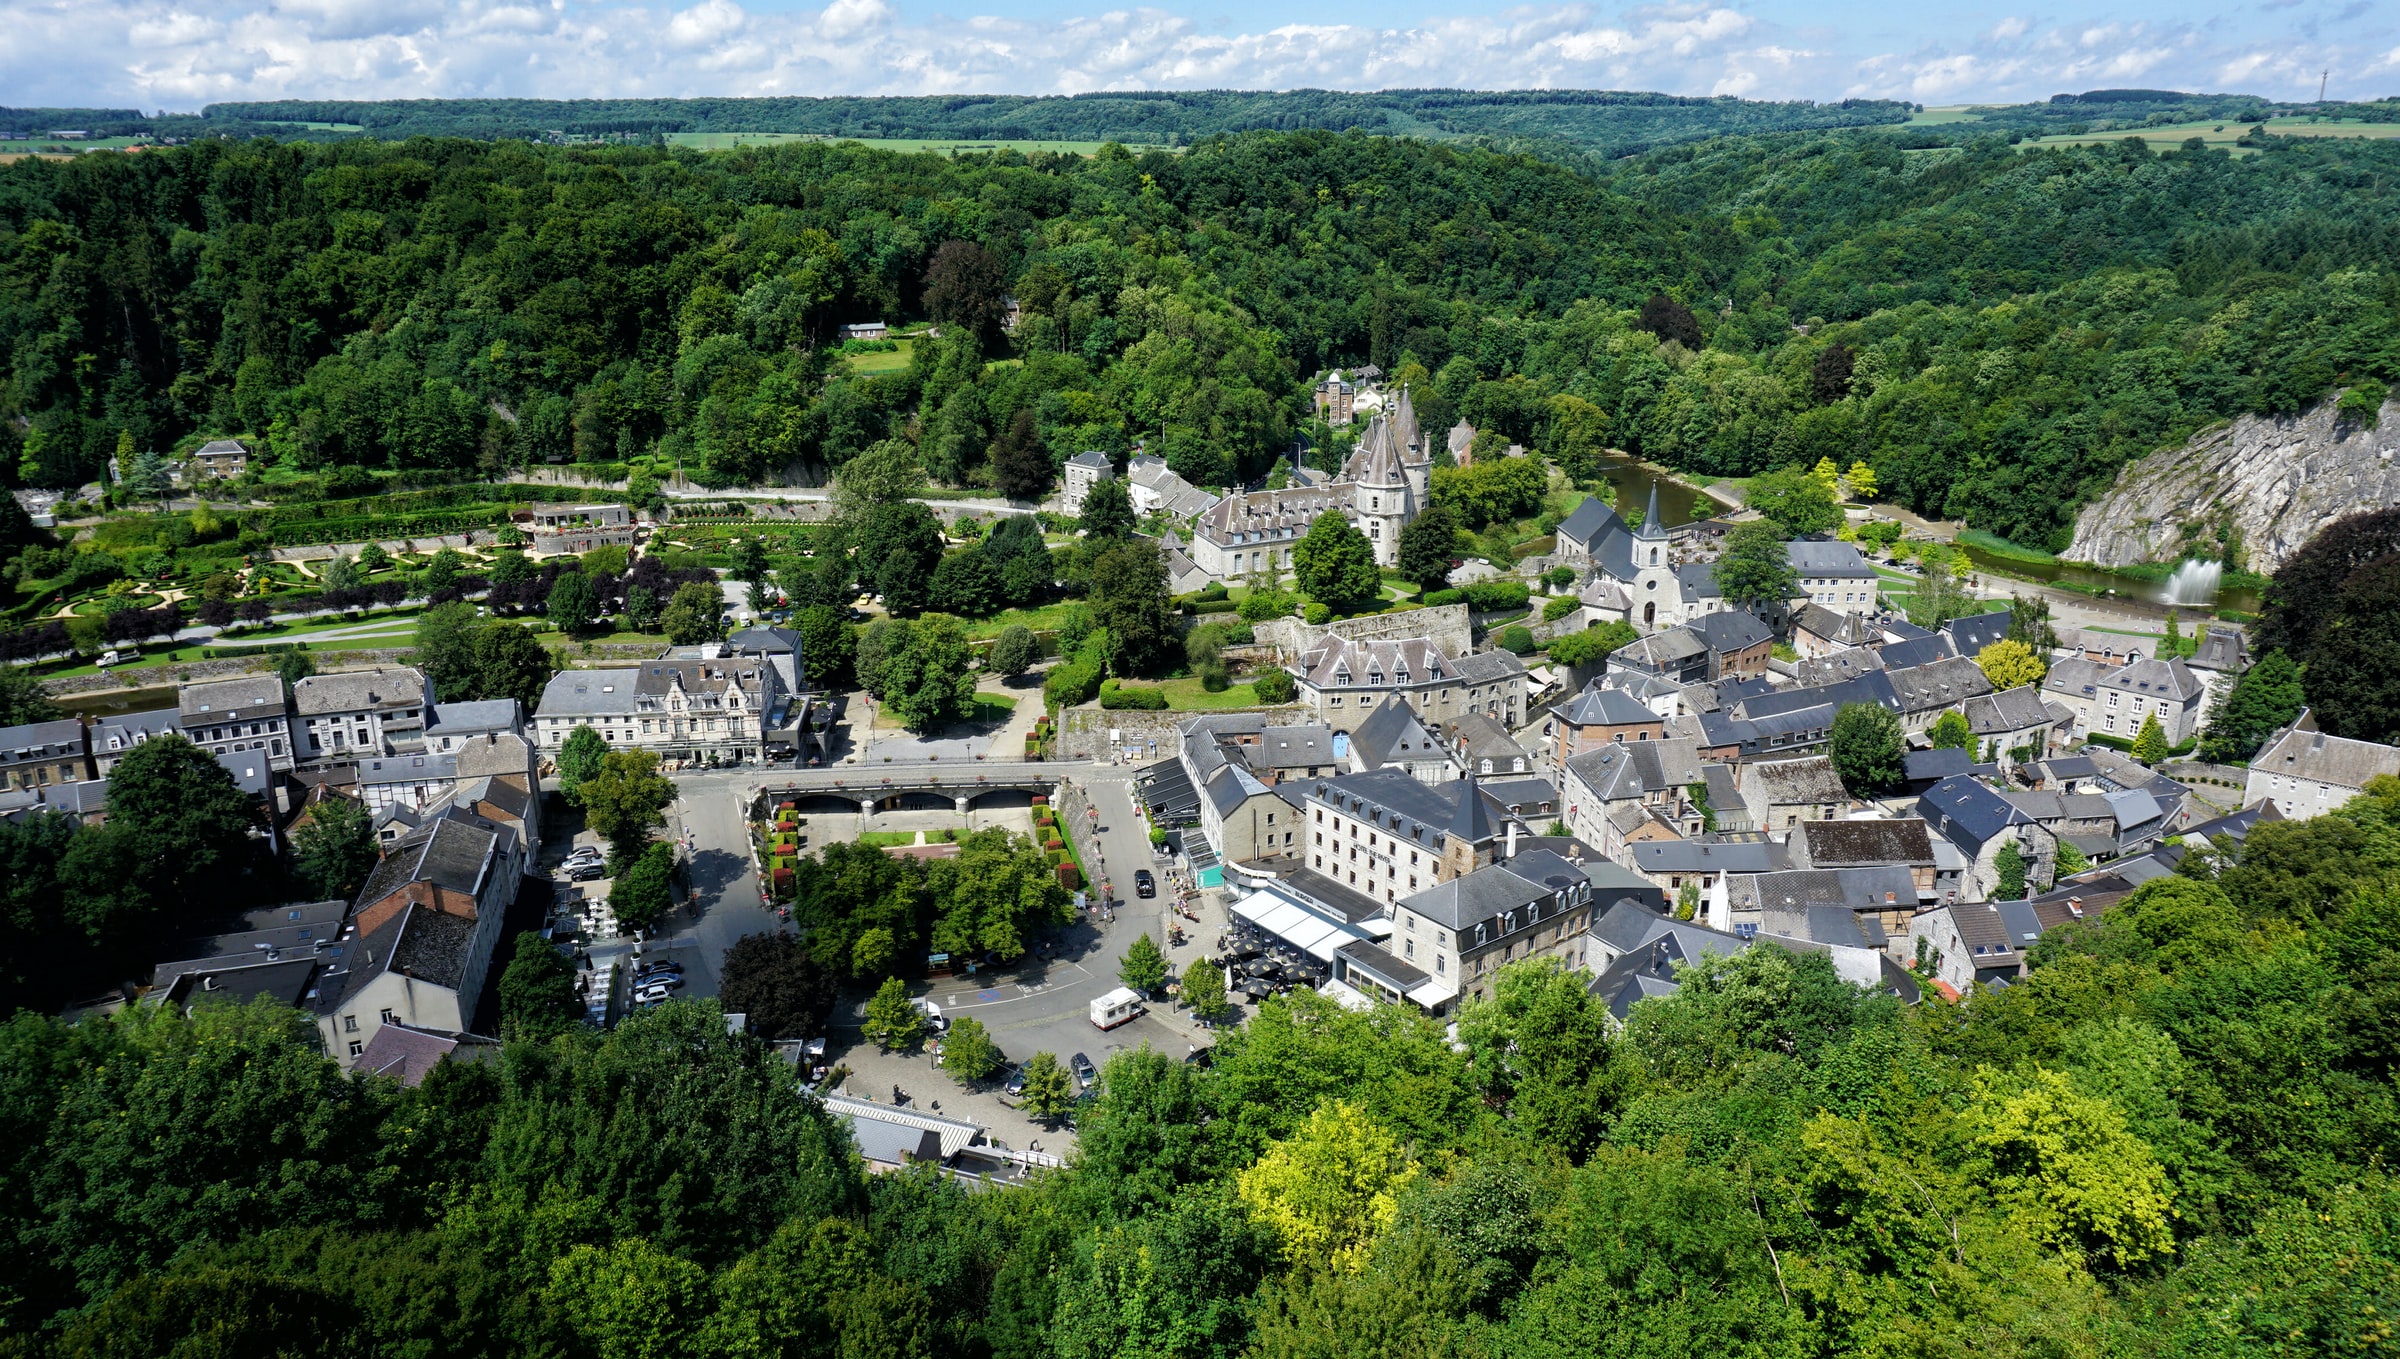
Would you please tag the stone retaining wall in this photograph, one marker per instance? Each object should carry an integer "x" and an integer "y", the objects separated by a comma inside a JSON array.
[
  {"x": 1447, "y": 625},
  {"x": 1084, "y": 732}
]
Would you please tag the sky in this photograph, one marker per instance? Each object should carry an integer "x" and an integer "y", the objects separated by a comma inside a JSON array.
[{"x": 182, "y": 54}]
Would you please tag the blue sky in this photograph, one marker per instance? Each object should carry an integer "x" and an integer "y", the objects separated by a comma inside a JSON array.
[{"x": 183, "y": 53}]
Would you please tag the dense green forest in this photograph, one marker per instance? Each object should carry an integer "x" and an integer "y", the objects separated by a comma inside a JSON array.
[
  {"x": 2173, "y": 1138},
  {"x": 1995, "y": 330}
]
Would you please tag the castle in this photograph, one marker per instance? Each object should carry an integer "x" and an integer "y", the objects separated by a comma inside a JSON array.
[{"x": 1381, "y": 488}]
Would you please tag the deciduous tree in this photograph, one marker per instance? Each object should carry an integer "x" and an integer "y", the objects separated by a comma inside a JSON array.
[
  {"x": 579, "y": 760},
  {"x": 1049, "y": 1091},
  {"x": 1755, "y": 573},
  {"x": 772, "y": 979},
  {"x": 625, "y": 800},
  {"x": 968, "y": 1052},
  {"x": 1330, "y": 1189},
  {"x": 1866, "y": 748},
  {"x": 1015, "y": 651},
  {"x": 1335, "y": 564},
  {"x": 891, "y": 1021},
  {"x": 1143, "y": 968},
  {"x": 1426, "y": 548},
  {"x": 695, "y": 614},
  {"x": 334, "y": 847},
  {"x": 2010, "y": 664},
  {"x": 537, "y": 990}
]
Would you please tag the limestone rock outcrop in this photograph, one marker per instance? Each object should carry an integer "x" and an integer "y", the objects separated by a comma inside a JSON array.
[{"x": 2274, "y": 480}]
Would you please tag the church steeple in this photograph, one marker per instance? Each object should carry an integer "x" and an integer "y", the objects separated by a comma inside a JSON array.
[{"x": 1651, "y": 528}]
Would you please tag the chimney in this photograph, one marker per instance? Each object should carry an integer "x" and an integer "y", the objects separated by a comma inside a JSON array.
[{"x": 1512, "y": 840}]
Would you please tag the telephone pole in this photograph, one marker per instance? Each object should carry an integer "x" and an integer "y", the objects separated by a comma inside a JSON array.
[{"x": 2322, "y": 77}]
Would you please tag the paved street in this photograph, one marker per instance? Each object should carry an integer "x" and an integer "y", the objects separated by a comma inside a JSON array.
[{"x": 1040, "y": 1005}]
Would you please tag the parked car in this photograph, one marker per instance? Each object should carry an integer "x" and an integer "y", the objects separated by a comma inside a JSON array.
[
  {"x": 1014, "y": 1084},
  {"x": 670, "y": 980},
  {"x": 654, "y": 991},
  {"x": 586, "y": 871},
  {"x": 932, "y": 1013},
  {"x": 1144, "y": 885},
  {"x": 584, "y": 852},
  {"x": 1085, "y": 1072}
]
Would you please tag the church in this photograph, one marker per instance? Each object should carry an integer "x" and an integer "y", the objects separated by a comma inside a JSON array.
[
  {"x": 1655, "y": 577},
  {"x": 1381, "y": 489}
]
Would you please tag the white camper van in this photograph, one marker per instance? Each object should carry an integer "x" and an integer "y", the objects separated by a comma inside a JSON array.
[{"x": 1115, "y": 1008}]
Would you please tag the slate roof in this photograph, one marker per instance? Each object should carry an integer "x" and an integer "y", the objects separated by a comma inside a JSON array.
[
  {"x": 1938, "y": 763},
  {"x": 1599, "y": 706},
  {"x": 1634, "y": 768},
  {"x": 1462, "y": 903},
  {"x": 1706, "y": 856},
  {"x": 389, "y": 769},
  {"x": 2303, "y": 752},
  {"x": 2010, "y": 710},
  {"x": 1391, "y": 735},
  {"x": 1963, "y": 805},
  {"x": 1916, "y": 651},
  {"x": 1729, "y": 630},
  {"x": 1268, "y": 516},
  {"x": 41, "y": 740},
  {"x": 1970, "y": 635},
  {"x": 1408, "y": 809},
  {"x": 1844, "y": 844},
  {"x": 1479, "y": 737},
  {"x": 2223, "y": 649},
  {"x": 1661, "y": 652},
  {"x": 491, "y": 714},
  {"x": 116, "y": 734},
  {"x": 1181, "y": 498},
  {"x": 1938, "y": 684},
  {"x": 1827, "y": 557},
  {"x": 1610, "y": 542},
  {"x": 452, "y": 851},
  {"x": 358, "y": 691},
  {"x": 1834, "y": 669},
  {"x": 1483, "y": 667},
  {"x": 2152, "y": 678},
  {"x": 226, "y": 697},
  {"x": 1339, "y": 662},
  {"x": 589, "y": 693},
  {"x": 1838, "y": 626},
  {"x": 1095, "y": 460},
  {"x": 408, "y": 1054},
  {"x": 761, "y": 641}
]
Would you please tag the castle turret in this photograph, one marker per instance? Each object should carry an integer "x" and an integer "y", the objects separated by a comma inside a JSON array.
[{"x": 1382, "y": 497}]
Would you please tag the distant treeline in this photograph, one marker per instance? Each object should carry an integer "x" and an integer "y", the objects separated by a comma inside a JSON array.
[{"x": 1608, "y": 122}]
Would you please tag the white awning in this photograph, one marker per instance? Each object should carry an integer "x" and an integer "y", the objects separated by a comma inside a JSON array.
[{"x": 1304, "y": 929}]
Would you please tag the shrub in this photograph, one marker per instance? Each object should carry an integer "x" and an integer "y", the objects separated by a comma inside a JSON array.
[
  {"x": 1317, "y": 614},
  {"x": 1214, "y": 590},
  {"x": 1560, "y": 608},
  {"x": 1517, "y": 638},
  {"x": 1142, "y": 697},
  {"x": 1070, "y": 684},
  {"x": 1069, "y": 877},
  {"x": 1496, "y": 596},
  {"x": 1200, "y": 606},
  {"x": 1266, "y": 604},
  {"x": 1440, "y": 597},
  {"x": 1276, "y": 686}
]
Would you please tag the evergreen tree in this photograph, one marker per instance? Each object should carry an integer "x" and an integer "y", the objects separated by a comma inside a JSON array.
[{"x": 2150, "y": 743}]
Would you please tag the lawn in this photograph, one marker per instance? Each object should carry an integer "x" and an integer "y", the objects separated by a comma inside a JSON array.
[
  {"x": 1047, "y": 618},
  {"x": 880, "y": 839},
  {"x": 1188, "y": 695},
  {"x": 2000, "y": 547},
  {"x": 2223, "y": 134},
  {"x": 883, "y": 360},
  {"x": 992, "y": 708}
]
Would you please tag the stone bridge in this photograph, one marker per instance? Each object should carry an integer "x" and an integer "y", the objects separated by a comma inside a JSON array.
[{"x": 888, "y": 786}]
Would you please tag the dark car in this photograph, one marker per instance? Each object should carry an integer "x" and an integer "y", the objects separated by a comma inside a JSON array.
[
  {"x": 1085, "y": 1072},
  {"x": 1143, "y": 884},
  {"x": 1015, "y": 1084},
  {"x": 586, "y": 871}
]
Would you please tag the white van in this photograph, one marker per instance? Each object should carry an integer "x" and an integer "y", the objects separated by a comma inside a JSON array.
[
  {"x": 932, "y": 1013},
  {"x": 1115, "y": 1008}
]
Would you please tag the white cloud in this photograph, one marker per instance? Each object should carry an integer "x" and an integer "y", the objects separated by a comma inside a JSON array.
[{"x": 181, "y": 53}]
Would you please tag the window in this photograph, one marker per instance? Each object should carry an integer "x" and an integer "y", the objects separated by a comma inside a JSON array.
[
  {"x": 390, "y": 1018},
  {"x": 356, "y": 1048},
  {"x": 349, "y": 1023}
]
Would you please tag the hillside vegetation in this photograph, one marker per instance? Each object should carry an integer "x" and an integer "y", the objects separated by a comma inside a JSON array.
[
  {"x": 2173, "y": 1138},
  {"x": 1994, "y": 330}
]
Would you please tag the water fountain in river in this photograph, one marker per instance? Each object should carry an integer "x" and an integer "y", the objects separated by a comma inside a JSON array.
[{"x": 2194, "y": 583}]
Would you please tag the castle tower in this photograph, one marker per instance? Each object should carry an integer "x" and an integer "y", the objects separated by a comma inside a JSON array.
[
  {"x": 1467, "y": 845},
  {"x": 1382, "y": 498}
]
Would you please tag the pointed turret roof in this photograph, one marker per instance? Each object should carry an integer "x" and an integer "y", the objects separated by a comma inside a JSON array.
[
  {"x": 1472, "y": 824},
  {"x": 1376, "y": 461},
  {"x": 1404, "y": 424},
  {"x": 1651, "y": 528}
]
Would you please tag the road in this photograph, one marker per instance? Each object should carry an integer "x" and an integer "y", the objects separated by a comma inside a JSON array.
[{"x": 1037, "y": 1006}]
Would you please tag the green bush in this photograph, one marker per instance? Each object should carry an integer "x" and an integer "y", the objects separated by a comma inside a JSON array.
[
  {"x": 1317, "y": 614},
  {"x": 1276, "y": 686},
  {"x": 1140, "y": 697},
  {"x": 1497, "y": 596},
  {"x": 1214, "y": 590},
  {"x": 1440, "y": 597},
  {"x": 1517, "y": 638},
  {"x": 1266, "y": 604},
  {"x": 1211, "y": 606},
  {"x": 1072, "y": 683},
  {"x": 1560, "y": 608}
]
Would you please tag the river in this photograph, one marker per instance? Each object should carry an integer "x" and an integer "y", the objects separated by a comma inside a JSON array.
[
  {"x": 1679, "y": 502},
  {"x": 2128, "y": 589}
]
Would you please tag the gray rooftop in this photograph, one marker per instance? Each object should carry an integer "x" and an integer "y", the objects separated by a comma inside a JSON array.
[
  {"x": 228, "y": 698},
  {"x": 589, "y": 693}
]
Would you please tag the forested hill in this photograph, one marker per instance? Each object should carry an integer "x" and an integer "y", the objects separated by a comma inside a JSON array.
[
  {"x": 1606, "y": 122},
  {"x": 1996, "y": 330}
]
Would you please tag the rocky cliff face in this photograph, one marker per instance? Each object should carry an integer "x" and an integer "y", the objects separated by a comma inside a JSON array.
[{"x": 2270, "y": 482}]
